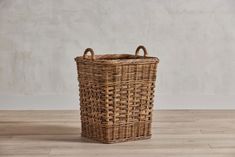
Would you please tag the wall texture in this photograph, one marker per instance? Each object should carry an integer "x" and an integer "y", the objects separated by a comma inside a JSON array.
[{"x": 194, "y": 39}]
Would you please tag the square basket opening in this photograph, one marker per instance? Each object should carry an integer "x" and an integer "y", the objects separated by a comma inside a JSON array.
[{"x": 118, "y": 57}]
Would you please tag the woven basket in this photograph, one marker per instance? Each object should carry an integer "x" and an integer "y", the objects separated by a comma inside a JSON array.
[{"x": 116, "y": 95}]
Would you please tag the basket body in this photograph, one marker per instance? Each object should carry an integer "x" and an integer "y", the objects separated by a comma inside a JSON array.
[{"x": 116, "y": 97}]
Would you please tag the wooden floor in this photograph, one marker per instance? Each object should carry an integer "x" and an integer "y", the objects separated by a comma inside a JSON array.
[{"x": 179, "y": 133}]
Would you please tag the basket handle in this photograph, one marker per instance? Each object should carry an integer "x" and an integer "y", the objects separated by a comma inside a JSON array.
[
  {"x": 143, "y": 48},
  {"x": 91, "y": 51}
]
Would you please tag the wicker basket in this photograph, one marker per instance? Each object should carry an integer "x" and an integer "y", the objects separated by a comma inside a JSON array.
[{"x": 116, "y": 95}]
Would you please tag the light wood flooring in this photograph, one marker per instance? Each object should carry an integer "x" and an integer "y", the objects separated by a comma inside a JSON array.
[{"x": 176, "y": 133}]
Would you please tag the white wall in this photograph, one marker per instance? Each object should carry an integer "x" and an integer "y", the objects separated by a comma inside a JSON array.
[{"x": 194, "y": 39}]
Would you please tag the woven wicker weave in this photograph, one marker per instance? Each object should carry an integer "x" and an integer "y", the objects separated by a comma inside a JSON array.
[{"x": 116, "y": 95}]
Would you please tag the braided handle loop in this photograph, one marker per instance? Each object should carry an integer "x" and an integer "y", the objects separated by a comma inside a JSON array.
[
  {"x": 92, "y": 53},
  {"x": 143, "y": 48}
]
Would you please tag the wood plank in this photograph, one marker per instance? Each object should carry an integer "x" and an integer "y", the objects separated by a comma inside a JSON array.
[
  {"x": 24, "y": 150},
  {"x": 40, "y": 128}
]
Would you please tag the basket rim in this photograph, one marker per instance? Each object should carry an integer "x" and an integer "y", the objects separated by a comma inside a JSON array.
[{"x": 117, "y": 59}]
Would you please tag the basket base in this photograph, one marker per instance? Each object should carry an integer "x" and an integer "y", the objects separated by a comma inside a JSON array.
[{"x": 117, "y": 140}]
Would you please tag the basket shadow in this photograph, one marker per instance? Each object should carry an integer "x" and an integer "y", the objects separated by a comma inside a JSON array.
[
  {"x": 74, "y": 139},
  {"x": 60, "y": 132}
]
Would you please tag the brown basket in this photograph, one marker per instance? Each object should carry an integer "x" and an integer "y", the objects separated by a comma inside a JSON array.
[{"x": 116, "y": 95}]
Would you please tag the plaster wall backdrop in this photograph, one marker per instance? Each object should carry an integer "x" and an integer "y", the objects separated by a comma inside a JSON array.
[{"x": 194, "y": 39}]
